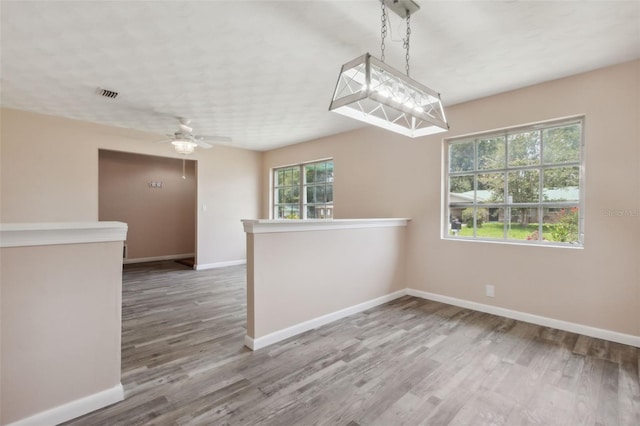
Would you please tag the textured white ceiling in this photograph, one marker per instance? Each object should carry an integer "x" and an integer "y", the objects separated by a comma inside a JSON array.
[{"x": 263, "y": 72}]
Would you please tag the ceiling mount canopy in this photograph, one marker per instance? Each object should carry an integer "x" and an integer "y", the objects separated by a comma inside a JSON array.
[{"x": 369, "y": 90}]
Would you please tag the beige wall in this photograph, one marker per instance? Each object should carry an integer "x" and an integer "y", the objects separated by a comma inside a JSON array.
[
  {"x": 229, "y": 187},
  {"x": 299, "y": 276},
  {"x": 49, "y": 172},
  {"x": 60, "y": 311},
  {"x": 162, "y": 220},
  {"x": 380, "y": 174}
]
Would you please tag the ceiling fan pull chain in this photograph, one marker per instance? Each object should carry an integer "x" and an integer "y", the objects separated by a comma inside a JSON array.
[{"x": 383, "y": 30}]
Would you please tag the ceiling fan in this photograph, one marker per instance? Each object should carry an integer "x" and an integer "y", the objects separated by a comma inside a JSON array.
[{"x": 185, "y": 142}]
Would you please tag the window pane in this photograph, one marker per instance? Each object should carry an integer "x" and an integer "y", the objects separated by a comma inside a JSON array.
[
  {"x": 329, "y": 171},
  {"x": 456, "y": 227},
  {"x": 289, "y": 196},
  {"x": 493, "y": 226},
  {"x": 310, "y": 173},
  {"x": 524, "y": 186},
  {"x": 561, "y": 144},
  {"x": 292, "y": 212},
  {"x": 295, "y": 177},
  {"x": 490, "y": 188},
  {"x": 329, "y": 193},
  {"x": 561, "y": 225},
  {"x": 461, "y": 189},
  {"x": 522, "y": 223},
  {"x": 491, "y": 153},
  {"x": 311, "y": 212},
  {"x": 561, "y": 184},
  {"x": 489, "y": 222},
  {"x": 321, "y": 172},
  {"x": 524, "y": 148},
  {"x": 320, "y": 194},
  {"x": 311, "y": 194},
  {"x": 461, "y": 157}
]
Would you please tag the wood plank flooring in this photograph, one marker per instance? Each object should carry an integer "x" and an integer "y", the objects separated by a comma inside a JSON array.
[{"x": 408, "y": 362}]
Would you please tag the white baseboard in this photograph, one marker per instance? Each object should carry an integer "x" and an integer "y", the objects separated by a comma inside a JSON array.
[
  {"x": 248, "y": 342},
  {"x": 159, "y": 258},
  {"x": 285, "y": 333},
  {"x": 613, "y": 336},
  {"x": 277, "y": 336},
  {"x": 74, "y": 409},
  {"x": 200, "y": 267}
]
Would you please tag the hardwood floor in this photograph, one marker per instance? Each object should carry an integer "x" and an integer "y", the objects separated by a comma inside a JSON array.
[{"x": 408, "y": 362}]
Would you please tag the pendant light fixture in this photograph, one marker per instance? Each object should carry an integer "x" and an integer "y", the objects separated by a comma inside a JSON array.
[{"x": 369, "y": 90}]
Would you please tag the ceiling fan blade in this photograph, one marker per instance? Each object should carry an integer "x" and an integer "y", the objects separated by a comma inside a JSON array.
[
  {"x": 203, "y": 144},
  {"x": 213, "y": 139}
]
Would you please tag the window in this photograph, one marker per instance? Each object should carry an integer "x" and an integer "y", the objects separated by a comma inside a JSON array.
[
  {"x": 517, "y": 185},
  {"x": 303, "y": 191}
]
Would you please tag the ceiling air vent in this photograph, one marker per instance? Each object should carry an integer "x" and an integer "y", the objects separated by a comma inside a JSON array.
[{"x": 107, "y": 93}]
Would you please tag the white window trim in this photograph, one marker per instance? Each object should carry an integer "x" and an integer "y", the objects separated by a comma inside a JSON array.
[
  {"x": 302, "y": 203},
  {"x": 445, "y": 222}
]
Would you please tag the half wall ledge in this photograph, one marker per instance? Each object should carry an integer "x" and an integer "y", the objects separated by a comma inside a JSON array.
[
  {"x": 260, "y": 226},
  {"x": 54, "y": 233}
]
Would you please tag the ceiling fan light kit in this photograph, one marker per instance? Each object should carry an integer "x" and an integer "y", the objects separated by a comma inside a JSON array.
[
  {"x": 184, "y": 147},
  {"x": 369, "y": 90}
]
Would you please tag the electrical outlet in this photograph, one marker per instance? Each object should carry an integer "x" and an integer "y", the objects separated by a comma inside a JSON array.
[{"x": 490, "y": 291}]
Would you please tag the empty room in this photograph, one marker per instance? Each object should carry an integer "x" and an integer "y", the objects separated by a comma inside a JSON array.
[{"x": 319, "y": 212}]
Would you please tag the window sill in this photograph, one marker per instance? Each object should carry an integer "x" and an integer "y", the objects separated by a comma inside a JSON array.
[{"x": 516, "y": 242}]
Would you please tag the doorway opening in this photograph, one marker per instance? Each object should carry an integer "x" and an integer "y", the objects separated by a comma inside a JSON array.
[{"x": 157, "y": 198}]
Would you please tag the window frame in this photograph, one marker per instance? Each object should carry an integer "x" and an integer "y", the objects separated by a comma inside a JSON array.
[
  {"x": 541, "y": 206},
  {"x": 302, "y": 187}
]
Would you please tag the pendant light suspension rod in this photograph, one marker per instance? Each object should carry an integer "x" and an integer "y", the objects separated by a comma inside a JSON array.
[
  {"x": 383, "y": 30},
  {"x": 404, "y": 9},
  {"x": 405, "y": 43}
]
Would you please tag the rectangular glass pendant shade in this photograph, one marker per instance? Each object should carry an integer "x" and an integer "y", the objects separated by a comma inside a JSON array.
[{"x": 371, "y": 91}]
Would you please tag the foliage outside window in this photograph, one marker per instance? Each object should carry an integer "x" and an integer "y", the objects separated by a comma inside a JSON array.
[
  {"x": 521, "y": 185},
  {"x": 303, "y": 191}
]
